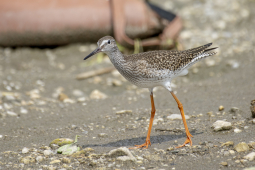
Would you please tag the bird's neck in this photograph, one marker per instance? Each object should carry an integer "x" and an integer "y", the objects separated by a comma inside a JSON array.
[{"x": 116, "y": 57}]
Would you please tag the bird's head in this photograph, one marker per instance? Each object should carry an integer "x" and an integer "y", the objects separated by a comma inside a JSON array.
[{"x": 105, "y": 44}]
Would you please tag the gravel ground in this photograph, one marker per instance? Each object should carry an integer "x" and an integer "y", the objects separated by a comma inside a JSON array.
[{"x": 41, "y": 100}]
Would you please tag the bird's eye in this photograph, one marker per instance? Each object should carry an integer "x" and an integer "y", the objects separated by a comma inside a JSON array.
[{"x": 109, "y": 41}]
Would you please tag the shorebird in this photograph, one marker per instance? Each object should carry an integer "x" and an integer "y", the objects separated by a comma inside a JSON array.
[{"x": 154, "y": 68}]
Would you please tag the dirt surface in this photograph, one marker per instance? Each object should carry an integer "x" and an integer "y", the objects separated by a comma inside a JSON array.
[{"x": 31, "y": 114}]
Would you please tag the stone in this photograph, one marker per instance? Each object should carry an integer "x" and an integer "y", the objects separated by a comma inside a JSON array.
[
  {"x": 177, "y": 116},
  {"x": 55, "y": 161},
  {"x": 96, "y": 94},
  {"x": 124, "y": 112},
  {"x": 122, "y": 154},
  {"x": 250, "y": 156},
  {"x": 62, "y": 141},
  {"x": 11, "y": 113},
  {"x": 252, "y": 107},
  {"x": 241, "y": 147},
  {"x": 250, "y": 168},
  {"x": 221, "y": 108},
  {"x": 224, "y": 163},
  {"x": 78, "y": 93},
  {"x": 47, "y": 152},
  {"x": 23, "y": 110},
  {"x": 103, "y": 135},
  {"x": 228, "y": 143},
  {"x": 27, "y": 160},
  {"x": 62, "y": 97},
  {"x": 25, "y": 150},
  {"x": 66, "y": 160},
  {"x": 39, "y": 159},
  {"x": 236, "y": 130},
  {"x": 221, "y": 125}
]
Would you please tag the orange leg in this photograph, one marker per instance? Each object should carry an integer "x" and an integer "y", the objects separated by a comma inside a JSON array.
[
  {"x": 147, "y": 141},
  {"x": 188, "y": 140}
]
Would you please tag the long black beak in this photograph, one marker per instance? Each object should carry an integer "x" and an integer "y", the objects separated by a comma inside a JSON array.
[{"x": 97, "y": 50}]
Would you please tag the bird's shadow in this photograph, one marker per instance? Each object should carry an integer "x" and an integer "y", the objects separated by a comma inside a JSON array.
[{"x": 141, "y": 140}]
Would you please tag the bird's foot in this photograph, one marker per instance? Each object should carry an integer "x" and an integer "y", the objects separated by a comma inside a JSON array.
[
  {"x": 146, "y": 144},
  {"x": 188, "y": 140}
]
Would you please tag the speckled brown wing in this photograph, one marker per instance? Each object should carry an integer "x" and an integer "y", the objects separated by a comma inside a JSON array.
[{"x": 172, "y": 60}]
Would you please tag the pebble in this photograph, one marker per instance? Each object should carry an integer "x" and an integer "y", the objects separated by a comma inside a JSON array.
[
  {"x": 55, "y": 161},
  {"x": 25, "y": 150},
  {"x": 228, "y": 143},
  {"x": 250, "y": 156},
  {"x": 221, "y": 108},
  {"x": 47, "y": 152},
  {"x": 224, "y": 163},
  {"x": 177, "y": 116},
  {"x": 96, "y": 94},
  {"x": 252, "y": 107},
  {"x": 11, "y": 113},
  {"x": 232, "y": 152},
  {"x": 253, "y": 121},
  {"x": 81, "y": 99},
  {"x": 23, "y": 111},
  {"x": 127, "y": 155},
  {"x": 233, "y": 63},
  {"x": 27, "y": 160},
  {"x": 237, "y": 130},
  {"x": 221, "y": 125},
  {"x": 241, "y": 147},
  {"x": 68, "y": 100},
  {"x": 62, "y": 96},
  {"x": 62, "y": 141},
  {"x": 250, "y": 168},
  {"x": 103, "y": 135},
  {"x": 66, "y": 160},
  {"x": 39, "y": 159},
  {"x": 124, "y": 112},
  {"x": 78, "y": 93}
]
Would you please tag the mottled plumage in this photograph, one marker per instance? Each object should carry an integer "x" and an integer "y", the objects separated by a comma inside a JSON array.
[{"x": 154, "y": 68}]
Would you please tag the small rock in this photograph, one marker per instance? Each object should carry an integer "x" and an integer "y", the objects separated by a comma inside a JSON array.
[
  {"x": 54, "y": 146},
  {"x": 25, "y": 150},
  {"x": 241, "y": 147},
  {"x": 224, "y": 163},
  {"x": 68, "y": 101},
  {"x": 221, "y": 125},
  {"x": 124, "y": 112},
  {"x": 252, "y": 107},
  {"x": 251, "y": 144},
  {"x": 62, "y": 97},
  {"x": 55, "y": 161},
  {"x": 81, "y": 99},
  {"x": 27, "y": 160},
  {"x": 39, "y": 159},
  {"x": 226, "y": 153},
  {"x": 66, "y": 160},
  {"x": 170, "y": 148},
  {"x": 232, "y": 152},
  {"x": 234, "y": 110},
  {"x": 209, "y": 113},
  {"x": 229, "y": 143},
  {"x": 78, "y": 93},
  {"x": 253, "y": 121},
  {"x": 250, "y": 156},
  {"x": 96, "y": 94},
  {"x": 221, "y": 108},
  {"x": 233, "y": 63},
  {"x": 62, "y": 141},
  {"x": 103, "y": 135},
  {"x": 122, "y": 154},
  {"x": 177, "y": 116},
  {"x": 237, "y": 130},
  {"x": 47, "y": 152},
  {"x": 23, "y": 111},
  {"x": 79, "y": 153},
  {"x": 11, "y": 113}
]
